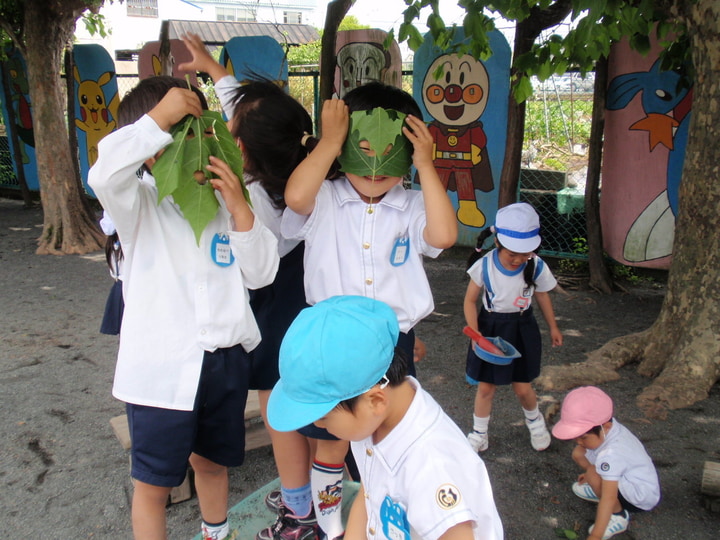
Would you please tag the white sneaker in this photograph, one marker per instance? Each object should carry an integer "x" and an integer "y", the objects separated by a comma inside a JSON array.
[
  {"x": 617, "y": 525},
  {"x": 585, "y": 492},
  {"x": 478, "y": 441},
  {"x": 539, "y": 435}
]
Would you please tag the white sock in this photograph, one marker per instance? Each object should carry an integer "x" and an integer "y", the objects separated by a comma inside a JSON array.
[
  {"x": 480, "y": 423},
  {"x": 532, "y": 415},
  {"x": 215, "y": 531},
  {"x": 326, "y": 483}
]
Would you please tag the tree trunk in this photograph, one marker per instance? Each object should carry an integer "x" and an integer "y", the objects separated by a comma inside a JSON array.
[
  {"x": 681, "y": 350},
  {"x": 69, "y": 224},
  {"x": 599, "y": 273},
  {"x": 336, "y": 11},
  {"x": 526, "y": 31}
]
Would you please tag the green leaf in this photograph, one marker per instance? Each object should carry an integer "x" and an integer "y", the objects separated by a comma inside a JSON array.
[
  {"x": 380, "y": 128},
  {"x": 181, "y": 170}
]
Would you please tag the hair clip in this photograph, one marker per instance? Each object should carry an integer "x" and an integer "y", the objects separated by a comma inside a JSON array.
[
  {"x": 305, "y": 138},
  {"x": 384, "y": 382}
]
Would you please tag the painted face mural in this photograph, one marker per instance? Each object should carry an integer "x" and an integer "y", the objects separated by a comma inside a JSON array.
[
  {"x": 456, "y": 100},
  {"x": 360, "y": 63}
]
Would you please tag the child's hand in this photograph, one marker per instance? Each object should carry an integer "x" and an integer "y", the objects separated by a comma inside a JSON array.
[
  {"x": 335, "y": 120},
  {"x": 202, "y": 61},
  {"x": 419, "y": 135},
  {"x": 556, "y": 336},
  {"x": 228, "y": 184},
  {"x": 174, "y": 106}
]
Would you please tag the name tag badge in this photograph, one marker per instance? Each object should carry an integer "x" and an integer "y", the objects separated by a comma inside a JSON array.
[
  {"x": 220, "y": 250},
  {"x": 400, "y": 251},
  {"x": 521, "y": 302}
]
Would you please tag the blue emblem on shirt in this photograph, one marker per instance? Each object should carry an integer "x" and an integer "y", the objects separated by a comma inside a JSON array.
[
  {"x": 400, "y": 251},
  {"x": 220, "y": 250},
  {"x": 395, "y": 524}
]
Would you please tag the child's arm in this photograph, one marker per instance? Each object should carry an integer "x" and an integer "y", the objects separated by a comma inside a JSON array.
[
  {"x": 461, "y": 531},
  {"x": 441, "y": 227},
  {"x": 470, "y": 304},
  {"x": 307, "y": 178},
  {"x": 357, "y": 519},
  {"x": 545, "y": 304},
  {"x": 228, "y": 184},
  {"x": 606, "y": 506},
  {"x": 202, "y": 61}
]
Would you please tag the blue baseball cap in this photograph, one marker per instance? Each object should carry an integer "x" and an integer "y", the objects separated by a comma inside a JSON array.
[{"x": 335, "y": 350}]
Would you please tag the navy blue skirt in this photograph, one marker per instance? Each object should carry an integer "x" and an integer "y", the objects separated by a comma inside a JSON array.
[
  {"x": 114, "y": 307},
  {"x": 521, "y": 330}
]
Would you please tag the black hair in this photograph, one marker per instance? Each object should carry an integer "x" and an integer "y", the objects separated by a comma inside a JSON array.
[
  {"x": 594, "y": 430},
  {"x": 375, "y": 94},
  {"x": 148, "y": 93},
  {"x": 480, "y": 251},
  {"x": 113, "y": 252},
  {"x": 272, "y": 126},
  {"x": 395, "y": 374}
]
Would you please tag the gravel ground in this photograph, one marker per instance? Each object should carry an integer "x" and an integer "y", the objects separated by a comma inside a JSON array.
[{"x": 63, "y": 473}]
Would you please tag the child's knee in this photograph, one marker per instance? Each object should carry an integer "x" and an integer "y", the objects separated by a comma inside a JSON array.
[
  {"x": 486, "y": 391},
  {"x": 204, "y": 466}
]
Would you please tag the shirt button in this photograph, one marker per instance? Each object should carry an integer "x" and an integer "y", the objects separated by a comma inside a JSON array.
[
  {"x": 368, "y": 281},
  {"x": 370, "y": 210},
  {"x": 366, "y": 245},
  {"x": 203, "y": 332},
  {"x": 369, "y": 451},
  {"x": 371, "y": 531}
]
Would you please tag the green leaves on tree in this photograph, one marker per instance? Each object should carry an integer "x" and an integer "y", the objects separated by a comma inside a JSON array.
[
  {"x": 181, "y": 171},
  {"x": 391, "y": 151}
]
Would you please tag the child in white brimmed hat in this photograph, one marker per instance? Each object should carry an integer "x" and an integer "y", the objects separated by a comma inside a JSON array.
[
  {"x": 340, "y": 368},
  {"x": 618, "y": 473},
  {"x": 508, "y": 278}
]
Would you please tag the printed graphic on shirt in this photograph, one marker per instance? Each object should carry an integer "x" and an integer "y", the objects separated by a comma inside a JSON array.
[
  {"x": 447, "y": 496},
  {"x": 330, "y": 498},
  {"x": 605, "y": 466},
  {"x": 220, "y": 250},
  {"x": 395, "y": 524},
  {"x": 400, "y": 251}
]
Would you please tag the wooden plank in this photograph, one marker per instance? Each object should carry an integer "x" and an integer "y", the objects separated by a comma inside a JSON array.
[
  {"x": 121, "y": 429},
  {"x": 711, "y": 479}
]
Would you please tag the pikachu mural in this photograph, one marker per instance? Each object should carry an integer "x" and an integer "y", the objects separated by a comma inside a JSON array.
[{"x": 96, "y": 102}]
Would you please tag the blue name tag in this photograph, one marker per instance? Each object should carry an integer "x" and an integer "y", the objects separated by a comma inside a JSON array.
[
  {"x": 400, "y": 251},
  {"x": 394, "y": 520},
  {"x": 220, "y": 250}
]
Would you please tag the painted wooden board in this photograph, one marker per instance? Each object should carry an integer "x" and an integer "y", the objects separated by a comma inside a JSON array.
[
  {"x": 149, "y": 63},
  {"x": 467, "y": 108},
  {"x": 646, "y": 127},
  {"x": 250, "y": 516},
  {"x": 253, "y": 57},
  {"x": 96, "y": 102},
  {"x": 15, "y": 70},
  {"x": 362, "y": 58}
]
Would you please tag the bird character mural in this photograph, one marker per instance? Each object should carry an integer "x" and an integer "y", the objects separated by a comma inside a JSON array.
[
  {"x": 255, "y": 57},
  {"x": 456, "y": 100},
  {"x": 20, "y": 92},
  {"x": 666, "y": 98}
]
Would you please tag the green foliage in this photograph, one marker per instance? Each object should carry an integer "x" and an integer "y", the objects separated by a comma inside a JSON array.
[
  {"x": 95, "y": 24},
  {"x": 568, "y": 534},
  {"x": 380, "y": 128},
  {"x": 579, "y": 264},
  {"x": 180, "y": 170}
]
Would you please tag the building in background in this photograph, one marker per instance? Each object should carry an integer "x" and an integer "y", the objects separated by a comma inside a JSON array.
[{"x": 133, "y": 23}]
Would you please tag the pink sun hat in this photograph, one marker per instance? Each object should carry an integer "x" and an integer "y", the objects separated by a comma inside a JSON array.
[{"x": 582, "y": 409}]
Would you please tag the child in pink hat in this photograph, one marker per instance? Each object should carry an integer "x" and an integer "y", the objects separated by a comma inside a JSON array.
[{"x": 618, "y": 473}]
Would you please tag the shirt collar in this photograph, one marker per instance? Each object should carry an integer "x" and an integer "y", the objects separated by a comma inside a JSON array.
[{"x": 396, "y": 198}]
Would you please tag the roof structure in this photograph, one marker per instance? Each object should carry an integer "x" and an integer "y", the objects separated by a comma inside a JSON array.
[{"x": 220, "y": 32}]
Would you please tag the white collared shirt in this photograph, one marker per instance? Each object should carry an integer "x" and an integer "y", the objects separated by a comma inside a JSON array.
[
  {"x": 178, "y": 301},
  {"x": 374, "y": 250},
  {"x": 425, "y": 475}
]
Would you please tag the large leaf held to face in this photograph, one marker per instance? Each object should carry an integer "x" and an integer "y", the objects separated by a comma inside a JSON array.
[
  {"x": 390, "y": 151},
  {"x": 180, "y": 170}
]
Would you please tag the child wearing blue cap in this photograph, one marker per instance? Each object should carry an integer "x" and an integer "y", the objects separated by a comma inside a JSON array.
[{"x": 420, "y": 478}]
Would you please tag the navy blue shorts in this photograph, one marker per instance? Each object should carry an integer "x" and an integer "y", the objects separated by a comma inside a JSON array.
[
  {"x": 163, "y": 439},
  {"x": 275, "y": 308},
  {"x": 520, "y": 329}
]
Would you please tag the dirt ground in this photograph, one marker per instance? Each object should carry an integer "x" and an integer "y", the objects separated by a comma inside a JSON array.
[{"x": 63, "y": 473}]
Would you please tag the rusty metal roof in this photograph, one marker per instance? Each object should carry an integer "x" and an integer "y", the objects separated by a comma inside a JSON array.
[{"x": 220, "y": 32}]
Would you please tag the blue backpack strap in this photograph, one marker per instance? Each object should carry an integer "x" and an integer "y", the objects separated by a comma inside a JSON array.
[
  {"x": 486, "y": 282},
  {"x": 539, "y": 265}
]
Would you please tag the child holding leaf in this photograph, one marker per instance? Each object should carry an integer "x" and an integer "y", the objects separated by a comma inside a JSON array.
[
  {"x": 187, "y": 328},
  {"x": 364, "y": 233}
]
